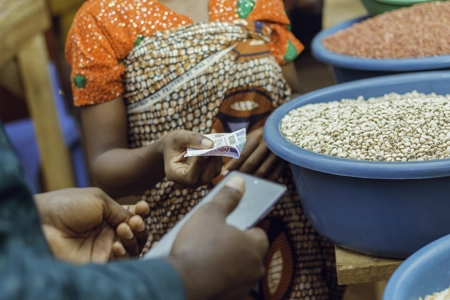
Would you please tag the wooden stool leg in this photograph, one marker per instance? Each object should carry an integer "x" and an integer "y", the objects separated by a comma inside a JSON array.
[{"x": 56, "y": 164}]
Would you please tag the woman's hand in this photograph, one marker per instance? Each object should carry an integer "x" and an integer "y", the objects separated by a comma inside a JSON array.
[
  {"x": 257, "y": 159},
  {"x": 82, "y": 225},
  {"x": 189, "y": 171}
]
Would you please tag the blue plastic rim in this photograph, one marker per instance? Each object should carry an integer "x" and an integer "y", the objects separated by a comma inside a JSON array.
[
  {"x": 425, "y": 82},
  {"x": 355, "y": 63},
  {"x": 425, "y": 272},
  {"x": 403, "y": 2}
]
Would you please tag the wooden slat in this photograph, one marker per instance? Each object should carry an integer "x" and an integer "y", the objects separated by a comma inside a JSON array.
[
  {"x": 56, "y": 163},
  {"x": 19, "y": 21},
  {"x": 355, "y": 268}
]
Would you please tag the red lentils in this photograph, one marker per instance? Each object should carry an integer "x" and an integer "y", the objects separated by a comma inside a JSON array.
[{"x": 422, "y": 30}]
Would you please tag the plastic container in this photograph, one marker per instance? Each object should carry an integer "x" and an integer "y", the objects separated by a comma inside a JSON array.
[
  {"x": 348, "y": 68},
  {"x": 378, "y": 208},
  {"x": 425, "y": 272},
  {"x": 376, "y": 7}
]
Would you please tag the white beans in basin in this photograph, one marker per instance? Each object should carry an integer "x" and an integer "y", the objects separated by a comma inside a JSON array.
[{"x": 391, "y": 128}]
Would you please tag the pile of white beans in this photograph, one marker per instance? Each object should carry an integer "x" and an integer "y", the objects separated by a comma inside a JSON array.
[
  {"x": 391, "y": 128},
  {"x": 444, "y": 295}
]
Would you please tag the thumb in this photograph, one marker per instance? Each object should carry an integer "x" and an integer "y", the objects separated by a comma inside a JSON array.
[
  {"x": 141, "y": 209},
  {"x": 114, "y": 213},
  {"x": 227, "y": 199},
  {"x": 190, "y": 139}
]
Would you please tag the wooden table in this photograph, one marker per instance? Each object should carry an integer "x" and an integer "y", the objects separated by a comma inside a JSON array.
[
  {"x": 22, "y": 27},
  {"x": 355, "y": 268}
]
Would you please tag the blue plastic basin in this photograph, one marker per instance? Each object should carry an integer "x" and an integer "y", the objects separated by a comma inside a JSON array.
[
  {"x": 348, "y": 68},
  {"x": 378, "y": 208},
  {"x": 425, "y": 272}
]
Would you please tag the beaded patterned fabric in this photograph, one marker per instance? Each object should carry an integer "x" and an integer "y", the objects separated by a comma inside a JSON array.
[{"x": 212, "y": 77}]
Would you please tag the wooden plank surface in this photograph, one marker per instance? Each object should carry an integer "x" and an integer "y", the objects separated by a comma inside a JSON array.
[
  {"x": 355, "y": 268},
  {"x": 19, "y": 21},
  {"x": 56, "y": 163}
]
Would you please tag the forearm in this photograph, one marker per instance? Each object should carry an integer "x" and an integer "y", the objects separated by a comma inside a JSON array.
[
  {"x": 123, "y": 172},
  {"x": 115, "y": 168},
  {"x": 45, "y": 278}
]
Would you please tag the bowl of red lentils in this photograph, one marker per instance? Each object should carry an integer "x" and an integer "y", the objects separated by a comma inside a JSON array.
[
  {"x": 410, "y": 39},
  {"x": 371, "y": 160}
]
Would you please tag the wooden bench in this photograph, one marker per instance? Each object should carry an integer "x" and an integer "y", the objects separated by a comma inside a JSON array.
[{"x": 356, "y": 268}]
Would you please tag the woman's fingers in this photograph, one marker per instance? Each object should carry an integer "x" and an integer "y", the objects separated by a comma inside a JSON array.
[{"x": 141, "y": 209}]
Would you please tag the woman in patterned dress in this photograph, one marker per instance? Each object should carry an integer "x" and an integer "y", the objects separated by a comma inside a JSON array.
[{"x": 150, "y": 73}]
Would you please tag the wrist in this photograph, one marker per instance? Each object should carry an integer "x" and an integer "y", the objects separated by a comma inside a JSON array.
[
  {"x": 193, "y": 290},
  {"x": 160, "y": 145}
]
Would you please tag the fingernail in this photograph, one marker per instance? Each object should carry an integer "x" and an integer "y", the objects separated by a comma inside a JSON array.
[
  {"x": 122, "y": 250},
  {"x": 225, "y": 172},
  {"x": 140, "y": 227},
  {"x": 236, "y": 183},
  {"x": 207, "y": 142},
  {"x": 129, "y": 234}
]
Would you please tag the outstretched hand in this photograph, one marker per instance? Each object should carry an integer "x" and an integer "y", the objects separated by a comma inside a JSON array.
[
  {"x": 81, "y": 225},
  {"x": 189, "y": 171}
]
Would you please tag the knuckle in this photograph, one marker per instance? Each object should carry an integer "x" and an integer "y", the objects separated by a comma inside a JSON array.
[
  {"x": 193, "y": 137},
  {"x": 171, "y": 135}
]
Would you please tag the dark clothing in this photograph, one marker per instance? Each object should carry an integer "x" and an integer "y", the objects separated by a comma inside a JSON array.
[{"x": 28, "y": 270}]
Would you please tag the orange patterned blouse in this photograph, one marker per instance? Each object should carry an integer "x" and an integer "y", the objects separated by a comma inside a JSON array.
[{"x": 104, "y": 32}]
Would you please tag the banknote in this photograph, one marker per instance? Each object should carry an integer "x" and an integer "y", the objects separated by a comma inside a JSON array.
[{"x": 225, "y": 144}]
